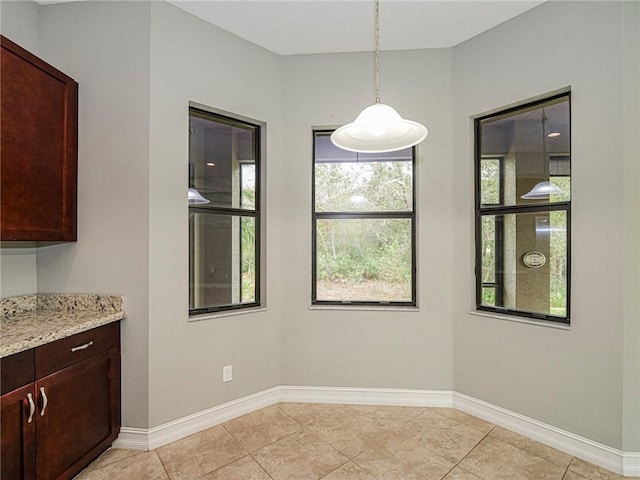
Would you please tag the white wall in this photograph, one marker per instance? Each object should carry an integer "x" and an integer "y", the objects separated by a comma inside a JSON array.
[
  {"x": 571, "y": 379},
  {"x": 18, "y": 275},
  {"x": 104, "y": 46},
  {"x": 340, "y": 347},
  {"x": 194, "y": 61}
]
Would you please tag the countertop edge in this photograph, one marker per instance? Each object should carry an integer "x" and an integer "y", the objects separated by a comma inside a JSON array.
[{"x": 51, "y": 335}]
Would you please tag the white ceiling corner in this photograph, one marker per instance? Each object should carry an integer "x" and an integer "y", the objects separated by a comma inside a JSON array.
[
  {"x": 298, "y": 27},
  {"x": 293, "y": 27}
]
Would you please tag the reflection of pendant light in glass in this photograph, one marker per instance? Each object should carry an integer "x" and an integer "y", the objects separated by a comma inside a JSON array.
[
  {"x": 378, "y": 128},
  {"x": 195, "y": 198},
  {"x": 542, "y": 190}
]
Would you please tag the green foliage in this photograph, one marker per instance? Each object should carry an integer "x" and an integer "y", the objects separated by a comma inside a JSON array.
[{"x": 358, "y": 250}]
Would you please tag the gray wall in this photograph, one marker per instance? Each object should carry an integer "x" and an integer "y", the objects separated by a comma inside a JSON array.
[
  {"x": 572, "y": 379},
  {"x": 104, "y": 46},
  {"x": 359, "y": 348},
  {"x": 194, "y": 61},
  {"x": 19, "y": 23},
  {"x": 631, "y": 231}
]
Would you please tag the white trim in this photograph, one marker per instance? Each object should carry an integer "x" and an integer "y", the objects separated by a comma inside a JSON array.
[
  {"x": 631, "y": 464},
  {"x": 225, "y": 313},
  {"x": 140, "y": 439},
  {"x": 526, "y": 321},
  {"x": 588, "y": 450},
  {"x": 366, "y": 396},
  {"x": 361, "y": 308},
  {"x": 626, "y": 463}
]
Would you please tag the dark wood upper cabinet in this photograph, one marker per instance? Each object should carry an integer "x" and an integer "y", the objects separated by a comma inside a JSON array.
[{"x": 39, "y": 149}]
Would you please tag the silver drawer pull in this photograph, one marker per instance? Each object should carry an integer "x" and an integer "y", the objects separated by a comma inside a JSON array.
[
  {"x": 32, "y": 407},
  {"x": 81, "y": 347},
  {"x": 45, "y": 401}
]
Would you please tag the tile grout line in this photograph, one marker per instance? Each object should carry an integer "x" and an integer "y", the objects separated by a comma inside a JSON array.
[
  {"x": 155, "y": 451},
  {"x": 467, "y": 454},
  {"x": 307, "y": 430},
  {"x": 261, "y": 467}
]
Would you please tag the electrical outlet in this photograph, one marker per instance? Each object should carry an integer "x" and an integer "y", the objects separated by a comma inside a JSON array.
[{"x": 227, "y": 373}]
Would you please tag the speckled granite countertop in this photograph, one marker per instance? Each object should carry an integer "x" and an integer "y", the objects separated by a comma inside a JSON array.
[{"x": 32, "y": 320}]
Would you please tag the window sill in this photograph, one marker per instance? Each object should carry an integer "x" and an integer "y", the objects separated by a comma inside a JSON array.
[
  {"x": 511, "y": 318},
  {"x": 364, "y": 308},
  {"x": 228, "y": 313}
]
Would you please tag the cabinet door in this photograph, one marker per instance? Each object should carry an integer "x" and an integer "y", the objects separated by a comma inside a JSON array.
[
  {"x": 81, "y": 415},
  {"x": 17, "y": 444},
  {"x": 39, "y": 116}
]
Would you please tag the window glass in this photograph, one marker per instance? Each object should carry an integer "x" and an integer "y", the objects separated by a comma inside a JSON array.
[
  {"x": 523, "y": 187},
  {"x": 224, "y": 261},
  {"x": 222, "y": 160},
  {"x": 491, "y": 181},
  {"x": 534, "y": 143},
  {"x": 534, "y": 262},
  {"x": 363, "y": 226},
  {"x": 224, "y": 213},
  {"x": 364, "y": 259}
]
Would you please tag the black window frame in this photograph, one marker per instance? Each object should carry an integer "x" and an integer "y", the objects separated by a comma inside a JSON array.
[
  {"x": 315, "y": 216},
  {"x": 255, "y": 213},
  {"x": 498, "y": 211}
]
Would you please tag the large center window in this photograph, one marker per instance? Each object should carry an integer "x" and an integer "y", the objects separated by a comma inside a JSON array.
[{"x": 363, "y": 226}]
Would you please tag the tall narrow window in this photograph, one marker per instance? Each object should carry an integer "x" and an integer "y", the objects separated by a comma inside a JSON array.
[
  {"x": 363, "y": 226},
  {"x": 523, "y": 206},
  {"x": 224, "y": 213}
]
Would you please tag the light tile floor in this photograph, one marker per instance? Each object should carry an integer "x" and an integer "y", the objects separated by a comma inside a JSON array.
[{"x": 296, "y": 441}]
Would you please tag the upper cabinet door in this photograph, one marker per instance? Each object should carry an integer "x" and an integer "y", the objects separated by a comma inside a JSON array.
[{"x": 39, "y": 149}]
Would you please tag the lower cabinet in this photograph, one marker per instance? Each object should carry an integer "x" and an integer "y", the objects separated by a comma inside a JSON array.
[
  {"x": 18, "y": 446},
  {"x": 55, "y": 426}
]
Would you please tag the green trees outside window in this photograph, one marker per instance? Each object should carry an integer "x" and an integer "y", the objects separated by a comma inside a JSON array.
[{"x": 363, "y": 226}]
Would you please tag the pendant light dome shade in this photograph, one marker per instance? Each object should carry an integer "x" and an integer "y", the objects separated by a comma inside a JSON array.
[
  {"x": 542, "y": 190},
  {"x": 195, "y": 198},
  {"x": 379, "y": 128}
]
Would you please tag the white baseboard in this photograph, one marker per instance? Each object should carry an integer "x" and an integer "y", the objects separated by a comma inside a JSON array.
[
  {"x": 588, "y": 450},
  {"x": 141, "y": 439},
  {"x": 625, "y": 463},
  {"x": 631, "y": 464},
  {"x": 366, "y": 396}
]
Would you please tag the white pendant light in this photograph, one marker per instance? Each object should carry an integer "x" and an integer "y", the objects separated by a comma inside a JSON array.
[
  {"x": 379, "y": 127},
  {"x": 195, "y": 198}
]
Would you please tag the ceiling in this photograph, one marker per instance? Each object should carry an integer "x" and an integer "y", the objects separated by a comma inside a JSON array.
[{"x": 328, "y": 26}]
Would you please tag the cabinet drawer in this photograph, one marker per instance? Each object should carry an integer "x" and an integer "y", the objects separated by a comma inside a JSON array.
[
  {"x": 67, "y": 351},
  {"x": 16, "y": 371}
]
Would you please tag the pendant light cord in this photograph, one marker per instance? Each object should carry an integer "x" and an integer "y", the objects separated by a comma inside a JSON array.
[{"x": 377, "y": 51}]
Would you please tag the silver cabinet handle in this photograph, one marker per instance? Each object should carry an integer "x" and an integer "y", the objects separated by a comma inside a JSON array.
[
  {"x": 32, "y": 407},
  {"x": 44, "y": 401},
  {"x": 81, "y": 347}
]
